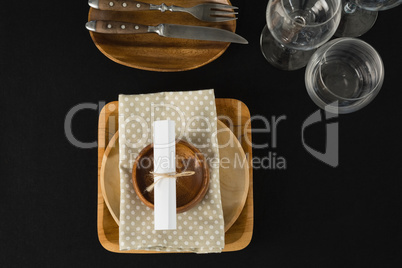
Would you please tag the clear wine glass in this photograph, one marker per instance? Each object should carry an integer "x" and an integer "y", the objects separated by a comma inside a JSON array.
[
  {"x": 295, "y": 28},
  {"x": 358, "y": 16}
]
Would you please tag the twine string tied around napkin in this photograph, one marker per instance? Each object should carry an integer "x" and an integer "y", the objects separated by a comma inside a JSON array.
[{"x": 167, "y": 175}]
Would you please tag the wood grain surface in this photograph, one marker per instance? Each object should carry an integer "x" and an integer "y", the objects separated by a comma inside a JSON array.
[
  {"x": 190, "y": 190},
  {"x": 155, "y": 53},
  {"x": 233, "y": 176},
  {"x": 235, "y": 115}
]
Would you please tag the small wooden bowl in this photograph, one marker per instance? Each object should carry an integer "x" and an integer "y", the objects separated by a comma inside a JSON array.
[{"x": 190, "y": 190}]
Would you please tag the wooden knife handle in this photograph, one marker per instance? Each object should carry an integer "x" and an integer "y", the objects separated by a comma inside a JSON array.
[
  {"x": 122, "y": 5},
  {"x": 118, "y": 27}
]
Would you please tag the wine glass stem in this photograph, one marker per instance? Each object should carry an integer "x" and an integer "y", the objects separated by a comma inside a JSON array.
[{"x": 350, "y": 7}]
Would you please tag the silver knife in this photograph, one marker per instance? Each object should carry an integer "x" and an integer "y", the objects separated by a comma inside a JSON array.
[{"x": 166, "y": 30}]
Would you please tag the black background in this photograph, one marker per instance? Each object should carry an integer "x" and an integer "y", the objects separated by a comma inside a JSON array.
[{"x": 309, "y": 215}]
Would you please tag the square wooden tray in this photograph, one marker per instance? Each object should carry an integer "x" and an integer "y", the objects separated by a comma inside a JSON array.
[{"x": 240, "y": 234}]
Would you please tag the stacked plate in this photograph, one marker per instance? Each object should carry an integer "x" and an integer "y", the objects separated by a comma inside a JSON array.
[{"x": 234, "y": 176}]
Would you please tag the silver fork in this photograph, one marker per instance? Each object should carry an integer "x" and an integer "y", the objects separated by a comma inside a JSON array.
[{"x": 212, "y": 12}]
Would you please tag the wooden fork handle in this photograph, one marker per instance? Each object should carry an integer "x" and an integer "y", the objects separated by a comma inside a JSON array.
[
  {"x": 119, "y": 5},
  {"x": 116, "y": 27}
]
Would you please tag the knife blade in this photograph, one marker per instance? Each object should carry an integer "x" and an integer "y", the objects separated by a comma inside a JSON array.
[{"x": 166, "y": 30}]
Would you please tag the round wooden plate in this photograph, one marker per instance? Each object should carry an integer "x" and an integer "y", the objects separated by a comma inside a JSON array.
[
  {"x": 156, "y": 53},
  {"x": 233, "y": 174}
]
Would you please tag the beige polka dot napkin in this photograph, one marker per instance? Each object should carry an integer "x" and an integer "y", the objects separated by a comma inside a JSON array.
[{"x": 200, "y": 229}]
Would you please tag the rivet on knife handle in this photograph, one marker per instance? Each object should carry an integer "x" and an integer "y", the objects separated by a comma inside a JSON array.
[
  {"x": 116, "y": 27},
  {"x": 118, "y": 5}
]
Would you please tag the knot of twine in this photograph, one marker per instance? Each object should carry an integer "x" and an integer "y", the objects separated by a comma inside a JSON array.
[{"x": 167, "y": 175}]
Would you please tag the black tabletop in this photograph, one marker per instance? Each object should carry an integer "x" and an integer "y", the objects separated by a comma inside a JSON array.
[{"x": 307, "y": 213}]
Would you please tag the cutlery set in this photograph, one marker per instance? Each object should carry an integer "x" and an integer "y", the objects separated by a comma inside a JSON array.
[{"x": 210, "y": 12}]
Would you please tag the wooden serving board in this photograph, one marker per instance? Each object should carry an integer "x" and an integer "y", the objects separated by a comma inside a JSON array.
[
  {"x": 153, "y": 52},
  {"x": 240, "y": 234}
]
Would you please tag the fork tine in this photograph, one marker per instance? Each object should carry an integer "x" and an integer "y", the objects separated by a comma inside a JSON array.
[
  {"x": 221, "y": 6},
  {"x": 222, "y": 13}
]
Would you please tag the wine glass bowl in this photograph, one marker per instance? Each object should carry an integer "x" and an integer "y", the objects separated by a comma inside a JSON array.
[
  {"x": 295, "y": 28},
  {"x": 359, "y": 16},
  {"x": 303, "y": 25}
]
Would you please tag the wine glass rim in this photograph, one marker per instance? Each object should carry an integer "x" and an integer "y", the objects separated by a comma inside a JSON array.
[
  {"x": 375, "y": 54},
  {"x": 339, "y": 5},
  {"x": 383, "y": 8}
]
